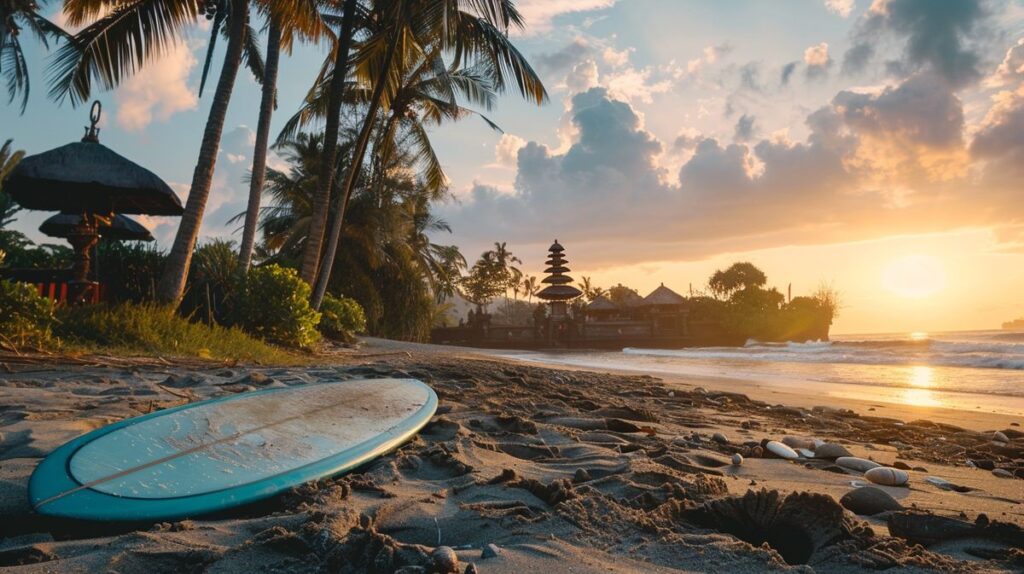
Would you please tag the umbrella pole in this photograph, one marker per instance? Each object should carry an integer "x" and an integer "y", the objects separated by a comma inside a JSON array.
[{"x": 82, "y": 238}]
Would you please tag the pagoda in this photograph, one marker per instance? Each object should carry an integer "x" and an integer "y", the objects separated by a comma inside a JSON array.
[{"x": 559, "y": 288}]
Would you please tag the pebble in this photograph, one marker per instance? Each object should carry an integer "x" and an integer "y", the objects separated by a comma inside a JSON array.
[
  {"x": 581, "y": 476},
  {"x": 805, "y": 452},
  {"x": 831, "y": 450},
  {"x": 1000, "y": 437},
  {"x": 720, "y": 438},
  {"x": 671, "y": 393},
  {"x": 798, "y": 442},
  {"x": 869, "y": 501},
  {"x": 1002, "y": 473},
  {"x": 901, "y": 465},
  {"x": 737, "y": 459},
  {"x": 757, "y": 452},
  {"x": 445, "y": 559},
  {"x": 983, "y": 464},
  {"x": 490, "y": 551},
  {"x": 887, "y": 476},
  {"x": 471, "y": 569},
  {"x": 854, "y": 463},
  {"x": 780, "y": 450}
]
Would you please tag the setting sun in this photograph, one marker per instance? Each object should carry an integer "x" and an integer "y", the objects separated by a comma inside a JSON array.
[{"x": 914, "y": 276}]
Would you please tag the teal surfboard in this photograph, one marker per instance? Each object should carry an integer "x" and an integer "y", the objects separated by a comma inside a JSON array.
[{"x": 217, "y": 454}]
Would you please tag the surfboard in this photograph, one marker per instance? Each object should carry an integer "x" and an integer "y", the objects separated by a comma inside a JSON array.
[{"x": 216, "y": 454}]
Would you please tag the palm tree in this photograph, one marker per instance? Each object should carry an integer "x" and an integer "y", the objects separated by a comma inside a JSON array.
[
  {"x": 475, "y": 33},
  {"x": 16, "y": 15},
  {"x": 530, "y": 287},
  {"x": 8, "y": 159}
]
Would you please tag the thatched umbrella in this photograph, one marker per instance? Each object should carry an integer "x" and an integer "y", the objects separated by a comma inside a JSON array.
[
  {"x": 88, "y": 178},
  {"x": 121, "y": 228}
]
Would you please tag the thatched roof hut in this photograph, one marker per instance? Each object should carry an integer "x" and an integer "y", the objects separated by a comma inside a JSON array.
[
  {"x": 601, "y": 303},
  {"x": 121, "y": 228},
  {"x": 663, "y": 297}
]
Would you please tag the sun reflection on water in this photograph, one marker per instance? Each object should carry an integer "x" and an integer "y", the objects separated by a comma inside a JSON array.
[{"x": 919, "y": 394}]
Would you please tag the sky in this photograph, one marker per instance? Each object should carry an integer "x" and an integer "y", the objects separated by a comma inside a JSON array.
[{"x": 873, "y": 145}]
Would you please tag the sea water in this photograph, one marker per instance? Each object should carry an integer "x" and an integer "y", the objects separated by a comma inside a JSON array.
[{"x": 964, "y": 370}]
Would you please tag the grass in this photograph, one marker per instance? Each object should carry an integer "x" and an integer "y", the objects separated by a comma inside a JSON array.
[{"x": 155, "y": 330}]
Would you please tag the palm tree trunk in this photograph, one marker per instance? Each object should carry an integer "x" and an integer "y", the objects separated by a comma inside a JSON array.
[
  {"x": 328, "y": 168},
  {"x": 172, "y": 282},
  {"x": 259, "y": 154},
  {"x": 353, "y": 172}
]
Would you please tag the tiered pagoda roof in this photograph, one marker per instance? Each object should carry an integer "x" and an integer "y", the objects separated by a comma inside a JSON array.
[{"x": 559, "y": 286}]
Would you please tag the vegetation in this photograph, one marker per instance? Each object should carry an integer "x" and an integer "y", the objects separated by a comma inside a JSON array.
[
  {"x": 273, "y": 304},
  {"x": 25, "y": 317},
  {"x": 341, "y": 318},
  {"x": 151, "y": 329},
  {"x": 492, "y": 276},
  {"x": 16, "y": 16}
]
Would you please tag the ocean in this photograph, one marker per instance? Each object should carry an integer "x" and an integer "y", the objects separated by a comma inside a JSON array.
[{"x": 964, "y": 370}]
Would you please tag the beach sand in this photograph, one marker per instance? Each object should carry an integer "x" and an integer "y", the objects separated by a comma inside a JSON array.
[{"x": 528, "y": 468}]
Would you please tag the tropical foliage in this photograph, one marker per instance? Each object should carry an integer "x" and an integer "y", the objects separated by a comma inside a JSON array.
[
  {"x": 273, "y": 304},
  {"x": 341, "y": 318},
  {"x": 25, "y": 316}
]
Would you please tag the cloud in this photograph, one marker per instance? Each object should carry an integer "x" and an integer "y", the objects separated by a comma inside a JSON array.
[
  {"x": 744, "y": 130},
  {"x": 507, "y": 149},
  {"x": 939, "y": 36},
  {"x": 539, "y": 15},
  {"x": 874, "y": 163},
  {"x": 787, "y": 73},
  {"x": 585, "y": 63},
  {"x": 1011, "y": 70},
  {"x": 841, "y": 7},
  {"x": 158, "y": 91},
  {"x": 817, "y": 60}
]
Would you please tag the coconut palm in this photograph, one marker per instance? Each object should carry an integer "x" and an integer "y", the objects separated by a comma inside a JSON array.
[
  {"x": 530, "y": 286},
  {"x": 475, "y": 33},
  {"x": 15, "y": 16},
  {"x": 8, "y": 159}
]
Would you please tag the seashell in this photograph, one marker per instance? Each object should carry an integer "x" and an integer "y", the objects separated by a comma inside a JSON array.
[
  {"x": 887, "y": 476},
  {"x": 780, "y": 450},
  {"x": 854, "y": 463},
  {"x": 797, "y": 526},
  {"x": 798, "y": 442},
  {"x": 1000, "y": 437},
  {"x": 720, "y": 438},
  {"x": 737, "y": 459}
]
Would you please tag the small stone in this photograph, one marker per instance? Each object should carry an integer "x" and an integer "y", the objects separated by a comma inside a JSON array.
[
  {"x": 671, "y": 393},
  {"x": 1002, "y": 473},
  {"x": 1000, "y": 437},
  {"x": 780, "y": 450},
  {"x": 720, "y": 438},
  {"x": 798, "y": 442},
  {"x": 757, "y": 452},
  {"x": 854, "y": 463},
  {"x": 919, "y": 469},
  {"x": 445, "y": 560},
  {"x": 869, "y": 501},
  {"x": 471, "y": 569},
  {"x": 901, "y": 465},
  {"x": 700, "y": 391},
  {"x": 831, "y": 450},
  {"x": 887, "y": 476},
  {"x": 983, "y": 464},
  {"x": 737, "y": 459},
  {"x": 581, "y": 476},
  {"x": 805, "y": 452},
  {"x": 490, "y": 551}
]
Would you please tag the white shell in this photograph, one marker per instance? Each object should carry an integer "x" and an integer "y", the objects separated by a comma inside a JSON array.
[
  {"x": 782, "y": 451},
  {"x": 887, "y": 476},
  {"x": 806, "y": 453},
  {"x": 1000, "y": 437},
  {"x": 854, "y": 463},
  {"x": 737, "y": 459}
]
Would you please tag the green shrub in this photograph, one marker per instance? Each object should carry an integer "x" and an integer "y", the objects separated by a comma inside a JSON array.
[
  {"x": 129, "y": 270},
  {"x": 341, "y": 318},
  {"x": 151, "y": 329},
  {"x": 25, "y": 317},
  {"x": 213, "y": 281},
  {"x": 273, "y": 304}
]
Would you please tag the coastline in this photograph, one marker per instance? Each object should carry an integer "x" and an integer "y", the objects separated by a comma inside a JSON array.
[{"x": 532, "y": 468}]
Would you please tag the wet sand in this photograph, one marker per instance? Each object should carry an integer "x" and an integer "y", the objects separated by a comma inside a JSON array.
[{"x": 559, "y": 469}]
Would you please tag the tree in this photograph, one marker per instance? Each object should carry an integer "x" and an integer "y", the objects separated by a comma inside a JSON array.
[
  {"x": 8, "y": 159},
  {"x": 590, "y": 292},
  {"x": 485, "y": 281},
  {"x": 475, "y": 33},
  {"x": 530, "y": 287},
  {"x": 15, "y": 16},
  {"x": 738, "y": 276},
  {"x": 622, "y": 296}
]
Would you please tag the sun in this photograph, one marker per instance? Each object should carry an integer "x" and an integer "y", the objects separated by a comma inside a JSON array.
[{"x": 914, "y": 276}]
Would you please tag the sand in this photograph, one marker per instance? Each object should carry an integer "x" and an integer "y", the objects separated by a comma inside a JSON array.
[{"x": 527, "y": 468}]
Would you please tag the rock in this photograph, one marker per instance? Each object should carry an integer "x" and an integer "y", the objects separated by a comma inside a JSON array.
[
  {"x": 602, "y": 438},
  {"x": 490, "y": 551},
  {"x": 737, "y": 459},
  {"x": 1002, "y": 473},
  {"x": 901, "y": 465},
  {"x": 581, "y": 476},
  {"x": 804, "y": 452},
  {"x": 720, "y": 438},
  {"x": 1000, "y": 437},
  {"x": 671, "y": 393},
  {"x": 445, "y": 560},
  {"x": 983, "y": 464},
  {"x": 854, "y": 463},
  {"x": 869, "y": 501},
  {"x": 887, "y": 476},
  {"x": 780, "y": 450},
  {"x": 798, "y": 442},
  {"x": 757, "y": 452},
  {"x": 831, "y": 450},
  {"x": 927, "y": 529},
  {"x": 471, "y": 569}
]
